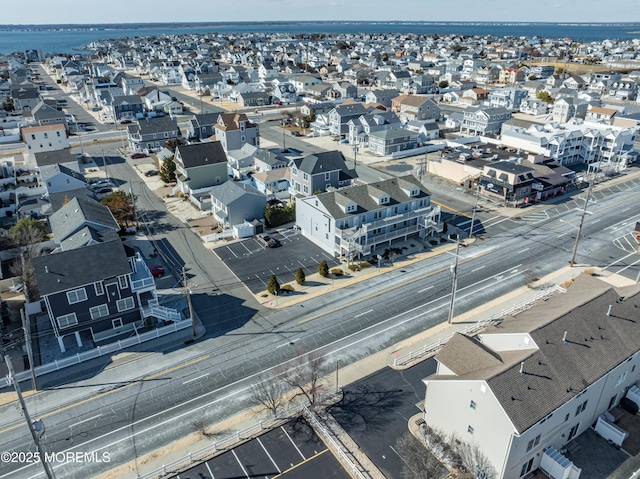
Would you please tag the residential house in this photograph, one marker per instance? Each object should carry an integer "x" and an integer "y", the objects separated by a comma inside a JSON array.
[
  {"x": 127, "y": 107},
  {"x": 509, "y": 98},
  {"x": 150, "y": 134},
  {"x": 533, "y": 106},
  {"x": 625, "y": 89},
  {"x": 474, "y": 96},
  {"x": 566, "y": 108},
  {"x": 130, "y": 83},
  {"x": 353, "y": 222},
  {"x": 361, "y": 127},
  {"x": 241, "y": 161},
  {"x": 95, "y": 292},
  {"x": 302, "y": 83},
  {"x": 339, "y": 117},
  {"x": 267, "y": 160},
  {"x": 479, "y": 120},
  {"x": 393, "y": 140},
  {"x": 284, "y": 92},
  {"x": 343, "y": 90},
  {"x": 507, "y": 181},
  {"x": 320, "y": 171},
  {"x": 253, "y": 98},
  {"x": 511, "y": 75},
  {"x": 24, "y": 99},
  {"x": 427, "y": 130},
  {"x": 599, "y": 114},
  {"x": 574, "y": 82},
  {"x": 45, "y": 138},
  {"x": 45, "y": 114},
  {"x": 233, "y": 130},
  {"x": 58, "y": 178},
  {"x": 235, "y": 202},
  {"x": 273, "y": 183},
  {"x": 154, "y": 99},
  {"x": 202, "y": 126},
  {"x": 522, "y": 390},
  {"x": 200, "y": 167},
  {"x": 381, "y": 97},
  {"x": 318, "y": 91},
  {"x": 415, "y": 107}
]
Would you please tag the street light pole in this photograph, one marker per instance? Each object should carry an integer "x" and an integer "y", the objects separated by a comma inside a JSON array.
[
  {"x": 473, "y": 215},
  {"x": 188, "y": 295},
  {"x": 454, "y": 281}
]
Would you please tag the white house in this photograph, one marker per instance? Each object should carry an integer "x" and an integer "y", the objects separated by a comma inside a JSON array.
[
  {"x": 522, "y": 390},
  {"x": 45, "y": 138},
  {"x": 354, "y": 221}
]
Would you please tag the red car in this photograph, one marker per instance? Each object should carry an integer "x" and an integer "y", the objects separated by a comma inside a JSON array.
[
  {"x": 156, "y": 270},
  {"x": 136, "y": 156}
]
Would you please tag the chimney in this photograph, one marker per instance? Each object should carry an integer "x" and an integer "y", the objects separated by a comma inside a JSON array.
[
  {"x": 564, "y": 338},
  {"x": 522, "y": 367},
  {"x": 609, "y": 311}
]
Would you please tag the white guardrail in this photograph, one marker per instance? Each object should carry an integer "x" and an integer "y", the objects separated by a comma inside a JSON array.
[
  {"x": 97, "y": 352},
  {"x": 431, "y": 349},
  {"x": 207, "y": 452}
]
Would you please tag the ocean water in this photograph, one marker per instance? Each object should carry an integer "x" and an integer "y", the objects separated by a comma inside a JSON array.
[{"x": 71, "y": 38}]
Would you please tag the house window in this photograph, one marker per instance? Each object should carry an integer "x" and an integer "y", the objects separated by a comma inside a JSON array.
[
  {"x": 99, "y": 311},
  {"x": 533, "y": 443},
  {"x": 327, "y": 176},
  {"x": 67, "y": 320},
  {"x": 98, "y": 288},
  {"x": 472, "y": 405},
  {"x": 470, "y": 429},
  {"x": 76, "y": 296},
  {"x": 621, "y": 378},
  {"x": 122, "y": 282},
  {"x": 526, "y": 467},
  {"x": 305, "y": 176},
  {"x": 125, "y": 304},
  {"x": 116, "y": 323},
  {"x": 243, "y": 139},
  {"x": 294, "y": 171},
  {"x": 306, "y": 189}
]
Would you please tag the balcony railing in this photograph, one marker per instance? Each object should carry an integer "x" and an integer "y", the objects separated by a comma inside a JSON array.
[{"x": 139, "y": 284}]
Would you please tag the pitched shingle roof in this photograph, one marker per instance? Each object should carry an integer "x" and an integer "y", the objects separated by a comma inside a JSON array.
[
  {"x": 200, "y": 154},
  {"x": 76, "y": 214}
]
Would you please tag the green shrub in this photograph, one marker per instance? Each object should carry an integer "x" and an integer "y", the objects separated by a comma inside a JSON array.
[
  {"x": 288, "y": 288},
  {"x": 337, "y": 272},
  {"x": 300, "y": 276},
  {"x": 273, "y": 286},
  {"x": 354, "y": 267},
  {"x": 364, "y": 265},
  {"x": 323, "y": 269}
]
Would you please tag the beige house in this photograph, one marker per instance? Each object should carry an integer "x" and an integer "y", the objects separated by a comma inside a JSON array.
[
  {"x": 522, "y": 390},
  {"x": 415, "y": 107}
]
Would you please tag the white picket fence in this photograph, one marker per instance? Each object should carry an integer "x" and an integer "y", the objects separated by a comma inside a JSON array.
[
  {"x": 431, "y": 349},
  {"x": 98, "y": 351}
]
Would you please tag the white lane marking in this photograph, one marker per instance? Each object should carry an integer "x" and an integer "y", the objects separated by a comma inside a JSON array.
[
  {"x": 619, "y": 259},
  {"x": 425, "y": 289},
  {"x": 240, "y": 463},
  {"x": 268, "y": 455},
  {"x": 294, "y": 444},
  {"x": 85, "y": 420},
  {"x": 362, "y": 314},
  {"x": 522, "y": 250},
  {"x": 478, "y": 268},
  {"x": 195, "y": 379},
  {"x": 627, "y": 267},
  {"x": 231, "y": 251}
]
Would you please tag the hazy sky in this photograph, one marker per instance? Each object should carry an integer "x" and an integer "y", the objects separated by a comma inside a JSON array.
[{"x": 135, "y": 11}]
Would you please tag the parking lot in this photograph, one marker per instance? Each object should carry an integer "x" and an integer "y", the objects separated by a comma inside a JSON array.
[
  {"x": 292, "y": 451},
  {"x": 253, "y": 263}
]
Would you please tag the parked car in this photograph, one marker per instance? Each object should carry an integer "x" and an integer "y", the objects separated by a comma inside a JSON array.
[
  {"x": 156, "y": 270},
  {"x": 101, "y": 184},
  {"x": 268, "y": 241},
  {"x": 295, "y": 133},
  {"x": 125, "y": 122},
  {"x": 136, "y": 156},
  {"x": 151, "y": 173},
  {"x": 103, "y": 191}
]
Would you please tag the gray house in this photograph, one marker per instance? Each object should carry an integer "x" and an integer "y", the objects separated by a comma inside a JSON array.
[
  {"x": 319, "y": 171},
  {"x": 202, "y": 126},
  {"x": 480, "y": 120},
  {"x": 233, "y": 203},
  {"x": 200, "y": 166},
  {"x": 387, "y": 142},
  {"x": 339, "y": 117},
  {"x": 234, "y": 130},
  {"x": 127, "y": 107},
  {"x": 150, "y": 134}
]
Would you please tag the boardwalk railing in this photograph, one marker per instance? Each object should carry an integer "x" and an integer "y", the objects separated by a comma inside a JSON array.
[{"x": 431, "y": 349}]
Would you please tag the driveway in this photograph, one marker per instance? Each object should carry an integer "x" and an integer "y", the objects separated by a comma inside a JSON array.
[{"x": 254, "y": 263}]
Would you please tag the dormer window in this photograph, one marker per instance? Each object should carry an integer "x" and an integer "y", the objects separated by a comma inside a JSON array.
[
  {"x": 415, "y": 192},
  {"x": 384, "y": 200}
]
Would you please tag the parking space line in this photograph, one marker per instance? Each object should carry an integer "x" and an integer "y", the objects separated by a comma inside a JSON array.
[
  {"x": 318, "y": 262},
  {"x": 268, "y": 455},
  {"x": 209, "y": 469},
  {"x": 294, "y": 444},
  {"x": 232, "y": 252},
  {"x": 245, "y": 247},
  {"x": 241, "y": 465},
  {"x": 265, "y": 284},
  {"x": 301, "y": 264}
]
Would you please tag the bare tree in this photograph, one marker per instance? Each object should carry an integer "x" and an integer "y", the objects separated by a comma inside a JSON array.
[
  {"x": 475, "y": 461},
  {"x": 417, "y": 461},
  {"x": 268, "y": 392},
  {"x": 27, "y": 234},
  {"x": 303, "y": 373}
]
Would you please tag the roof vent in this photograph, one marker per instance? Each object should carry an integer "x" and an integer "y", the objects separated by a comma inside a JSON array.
[
  {"x": 564, "y": 337},
  {"x": 609, "y": 311},
  {"x": 522, "y": 367}
]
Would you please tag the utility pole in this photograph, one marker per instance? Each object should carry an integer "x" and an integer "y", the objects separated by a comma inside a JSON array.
[
  {"x": 133, "y": 204},
  {"x": 454, "y": 281},
  {"x": 473, "y": 215},
  {"x": 582, "y": 215},
  {"x": 188, "y": 295},
  {"x": 27, "y": 338},
  {"x": 423, "y": 164},
  {"x": 47, "y": 467}
]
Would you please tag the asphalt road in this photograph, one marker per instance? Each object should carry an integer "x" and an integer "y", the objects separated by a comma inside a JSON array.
[{"x": 345, "y": 325}]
